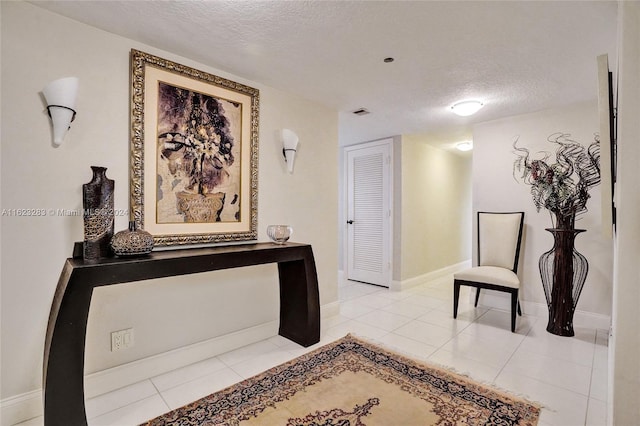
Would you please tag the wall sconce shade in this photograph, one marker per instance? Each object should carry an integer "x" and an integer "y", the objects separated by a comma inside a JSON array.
[
  {"x": 61, "y": 102},
  {"x": 289, "y": 147}
]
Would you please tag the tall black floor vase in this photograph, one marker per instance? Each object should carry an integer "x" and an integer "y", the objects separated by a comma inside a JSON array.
[{"x": 563, "y": 271}]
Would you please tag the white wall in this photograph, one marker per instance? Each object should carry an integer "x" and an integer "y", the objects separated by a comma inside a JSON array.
[
  {"x": 37, "y": 47},
  {"x": 436, "y": 208},
  {"x": 624, "y": 344},
  {"x": 495, "y": 189}
]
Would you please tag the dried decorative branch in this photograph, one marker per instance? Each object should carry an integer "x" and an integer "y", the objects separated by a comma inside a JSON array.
[{"x": 562, "y": 187}]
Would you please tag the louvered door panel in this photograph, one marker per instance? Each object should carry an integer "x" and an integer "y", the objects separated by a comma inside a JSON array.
[
  {"x": 368, "y": 211},
  {"x": 367, "y": 208}
]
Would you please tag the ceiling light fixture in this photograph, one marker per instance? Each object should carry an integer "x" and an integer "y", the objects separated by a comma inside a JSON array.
[
  {"x": 464, "y": 146},
  {"x": 466, "y": 108}
]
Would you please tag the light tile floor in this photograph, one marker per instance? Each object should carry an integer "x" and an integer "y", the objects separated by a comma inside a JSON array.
[{"x": 568, "y": 376}]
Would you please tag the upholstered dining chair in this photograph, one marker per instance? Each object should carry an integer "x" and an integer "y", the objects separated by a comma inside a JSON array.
[{"x": 499, "y": 238}]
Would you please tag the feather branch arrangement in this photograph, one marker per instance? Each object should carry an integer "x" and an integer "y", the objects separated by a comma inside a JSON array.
[{"x": 561, "y": 187}]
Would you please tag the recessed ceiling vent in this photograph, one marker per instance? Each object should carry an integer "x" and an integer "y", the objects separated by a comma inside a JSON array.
[{"x": 361, "y": 111}]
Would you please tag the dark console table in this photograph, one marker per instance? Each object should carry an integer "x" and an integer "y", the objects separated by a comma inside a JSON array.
[{"x": 63, "y": 370}]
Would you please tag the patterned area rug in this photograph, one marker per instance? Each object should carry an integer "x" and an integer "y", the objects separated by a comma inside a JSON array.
[{"x": 352, "y": 382}]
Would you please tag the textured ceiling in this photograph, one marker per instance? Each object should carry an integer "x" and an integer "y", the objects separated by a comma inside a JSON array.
[{"x": 516, "y": 56}]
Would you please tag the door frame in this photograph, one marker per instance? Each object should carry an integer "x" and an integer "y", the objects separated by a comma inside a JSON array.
[{"x": 345, "y": 209}]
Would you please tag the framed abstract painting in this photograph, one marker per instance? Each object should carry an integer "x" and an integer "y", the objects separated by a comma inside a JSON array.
[{"x": 194, "y": 154}]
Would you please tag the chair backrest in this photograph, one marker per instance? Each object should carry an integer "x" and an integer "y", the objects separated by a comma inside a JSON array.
[{"x": 499, "y": 237}]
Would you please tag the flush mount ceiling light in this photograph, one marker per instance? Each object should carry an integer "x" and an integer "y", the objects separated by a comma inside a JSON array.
[
  {"x": 466, "y": 108},
  {"x": 464, "y": 146}
]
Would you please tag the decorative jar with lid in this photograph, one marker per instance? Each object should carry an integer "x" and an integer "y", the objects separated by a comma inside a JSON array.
[{"x": 132, "y": 241}]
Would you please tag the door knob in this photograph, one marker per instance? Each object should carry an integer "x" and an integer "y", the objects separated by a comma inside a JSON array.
[{"x": 350, "y": 222}]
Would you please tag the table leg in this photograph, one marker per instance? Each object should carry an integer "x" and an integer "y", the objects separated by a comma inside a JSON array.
[
  {"x": 63, "y": 386},
  {"x": 299, "y": 302}
]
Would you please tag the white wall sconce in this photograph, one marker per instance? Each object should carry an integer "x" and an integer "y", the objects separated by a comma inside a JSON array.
[
  {"x": 61, "y": 103},
  {"x": 289, "y": 147},
  {"x": 466, "y": 108}
]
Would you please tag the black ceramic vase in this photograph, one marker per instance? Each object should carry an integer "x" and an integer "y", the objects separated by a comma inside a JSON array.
[
  {"x": 97, "y": 200},
  {"x": 563, "y": 271}
]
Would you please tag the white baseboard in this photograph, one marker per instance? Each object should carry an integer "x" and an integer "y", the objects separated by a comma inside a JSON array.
[
  {"x": 497, "y": 300},
  {"x": 330, "y": 309},
  {"x": 19, "y": 408},
  {"x": 429, "y": 276},
  {"x": 133, "y": 372},
  {"x": 580, "y": 318}
]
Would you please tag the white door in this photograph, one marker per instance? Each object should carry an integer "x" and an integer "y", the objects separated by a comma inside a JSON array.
[{"x": 368, "y": 221}]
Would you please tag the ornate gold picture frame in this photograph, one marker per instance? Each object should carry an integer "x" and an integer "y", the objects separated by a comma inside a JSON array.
[{"x": 194, "y": 154}]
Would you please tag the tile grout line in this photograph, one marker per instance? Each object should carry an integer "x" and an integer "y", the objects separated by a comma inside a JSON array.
[
  {"x": 199, "y": 377},
  {"x": 130, "y": 403},
  {"x": 593, "y": 358},
  {"x": 514, "y": 351},
  {"x": 160, "y": 395}
]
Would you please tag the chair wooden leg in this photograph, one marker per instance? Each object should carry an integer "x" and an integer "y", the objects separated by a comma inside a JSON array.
[
  {"x": 477, "y": 296},
  {"x": 514, "y": 308},
  {"x": 456, "y": 295},
  {"x": 519, "y": 311}
]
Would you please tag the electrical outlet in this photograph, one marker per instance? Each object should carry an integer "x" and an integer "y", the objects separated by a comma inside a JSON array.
[{"x": 122, "y": 339}]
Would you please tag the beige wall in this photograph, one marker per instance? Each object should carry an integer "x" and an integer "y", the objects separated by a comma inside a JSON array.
[
  {"x": 624, "y": 345},
  {"x": 38, "y": 47},
  {"x": 435, "y": 217},
  {"x": 495, "y": 189}
]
